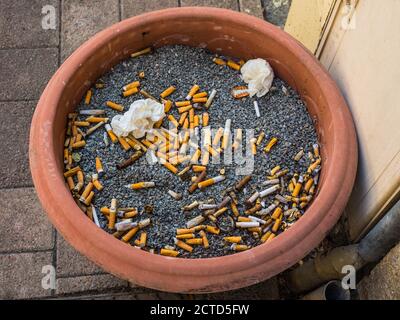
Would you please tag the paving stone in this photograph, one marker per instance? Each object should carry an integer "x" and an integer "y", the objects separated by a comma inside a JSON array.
[
  {"x": 21, "y": 275},
  {"x": 14, "y": 127},
  {"x": 71, "y": 263},
  {"x": 252, "y": 7},
  {"x": 24, "y": 225},
  {"x": 227, "y": 4},
  {"x": 81, "y": 19},
  {"x": 25, "y": 72},
  {"x": 383, "y": 283},
  {"x": 21, "y": 24},
  {"x": 130, "y": 8},
  {"x": 71, "y": 285}
]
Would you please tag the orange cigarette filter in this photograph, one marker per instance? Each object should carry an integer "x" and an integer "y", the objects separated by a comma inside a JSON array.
[
  {"x": 200, "y": 95},
  {"x": 130, "y": 92},
  {"x": 276, "y": 225},
  {"x": 184, "y": 231},
  {"x": 167, "y": 92},
  {"x": 270, "y": 144},
  {"x": 130, "y": 234},
  {"x": 205, "y": 120},
  {"x": 96, "y": 182},
  {"x": 130, "y": 214},
  {"x": 194, "y": 241},
  {"x": 143, "y": 239},
  {"x": 169, "y": 166},
  {"x": 298, "y": 186},
  {"x": 196, "y": 156},
  {"x": 212, "y": 229},
  {"x": 81, "y": 123},
  {"x": 173, "y": 120},
  {"x": 197, "y": 168},
  {"x": 240, "y": 247},
  {"x": 114, "y": 106},
  {"x": 131, "y": 85},
  {"x": 88, "y": 189},
  {"x": 192, "y": 92},
  {"x": 185, "y": 236},
  {"x": 183, "y": 118},
  {"x": 314, "y": 165},
  {"x": 167, "y": 105},
  {"x": 88, "y": 96},
  {"x": 93, "y": 119},
  {"x": 219, "y": 61},
  {"x": 113, "y": 214},
  {"x": 196, "y": 121},
  {"x": 203, "y": 236},
  {"x": 89, "y": 198},
  {"x": 218, "y": 136},
  {"x": 233, "y": 65},
  {"x": 234, "y": 209},
  {"x": 199, "y": 100},
  {"x": 235, "y": 239},
  {"x": 125, "y": 145},
  {"x": 79, "y": 144},
  {"x": 308, "y": 184},
  {"x": 99, "y": 165},
  {"x": 265, "y": 236},
  {"x": 183, "y": 245},
  {"x": 111, "y": 133},
  {"x": 277, "y": 213},
  {"x": 169, "y": 253},
  {"x": 185, "y": 108},
  {"x": 185, "y": 124},
  {"x": 271, "y": 236},
  {"x": 71, "y": 183},
  {"x": 182, "y": 103}
]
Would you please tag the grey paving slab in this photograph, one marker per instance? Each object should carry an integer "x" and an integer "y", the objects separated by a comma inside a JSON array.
[
  {"x": 73, "y": 285},
  {"x": 25, "y": 72},
  {"x": 227, "y": 4},
  {"x": 71, "y": 263},
  {"x": 23, "y": 24},
  {"x": 14, "y": 132},
  {"x": 81, "y": 19},
  {"x": 131, "y": 8},
  {"x": 21, "y": 275},
  {"x": 23, "y": 224},
  {"x": 383, "y": 283}
]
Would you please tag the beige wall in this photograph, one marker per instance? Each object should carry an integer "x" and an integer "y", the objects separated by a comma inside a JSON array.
[{"x": 363, "y": 56}]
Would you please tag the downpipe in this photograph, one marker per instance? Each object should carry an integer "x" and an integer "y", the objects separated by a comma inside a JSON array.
[{"x": 329, "y": 266}]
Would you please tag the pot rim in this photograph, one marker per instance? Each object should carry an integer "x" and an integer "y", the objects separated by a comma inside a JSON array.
[{"x": 87, "y": 238}]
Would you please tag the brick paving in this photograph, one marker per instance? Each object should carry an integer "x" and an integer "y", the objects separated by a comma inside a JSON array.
[{"x": 29, "y": 55}]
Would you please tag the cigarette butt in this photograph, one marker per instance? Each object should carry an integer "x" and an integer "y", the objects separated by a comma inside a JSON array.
[
  {"x": 142, "y": 185},
  {"x": 203, "y": 236},
  {"x": 234, "y": 209},
  {"x": 210, "y": 182},
  {"x": 125, "y": 145},
  {"x": 316, "y": 150},
  {"x": 244, "y": 219},
  {"x": 197, "y": 168},
  {"x": 167, "y": 92},
  {"x": 194, "y": 241},
  {"x": 111, "y": 133},
  {"x": 79, "y": 144},
  {"x": 199, "y": 100},
  {"x": 182, "y": 103},
  {"x": 88, "y": 96},
  {"x": 85, "y": 193},
  {"x": 212, "y": 229},
  {"x": 265, "y": 236},
  {"x": 185, "y": 236},
  {"x": 239, "y": 247},
  {"x": 195, "y": 221},
  {"x": 297, "y": 187},
  {"x": 260, "y": 138},
  {"x": 233, "y": 239},
  {"x": 71, "y": 184},
  {"x": 169, "y": 253},
  {"x": 167, "y": 105},
  {"x": 99, "y": 166},
  {"x": 219, "y": 61},
  {"x": 82, "y": 123},
  {"x": 192, "y": 92},
  {"x": 233, "y": 65},
  {"x": 183, "y": 245},
  {"x": 226, "y": 136},
  {"x": 169, "y": 166},
  {"x": 275, "y": 170},
  {"x": 200, "y": 95},
  {"x": 185, "y": 108},
  {"x": 130, "y": 92},
  {"x": 141, "y": 52},
  {"x": 184, "y": 231},
  {"x": 196, "y": 183},
  {"x": 277, "y": 213},
  {"x": 276, "y": 225},
  {"x": 182, "y": 118},
  {"x": 210, "y": 98},
  {"x": 131, "y": 85},
  {"x": 93, "y": 119},
  {"x": 308, "y": 184},
  {"x": 88, "y": 199},
  {"x": 96, "y": 182},
  {"x": 270, "y": 144},
  {"x": 114, "y": 106},
  {"x": 129, "y": 235}
]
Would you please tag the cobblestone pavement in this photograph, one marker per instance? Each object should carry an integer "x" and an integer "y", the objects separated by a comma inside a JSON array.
[{"x": 29, "y": 55}]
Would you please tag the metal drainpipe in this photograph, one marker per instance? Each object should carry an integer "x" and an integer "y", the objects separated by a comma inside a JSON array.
[
  {"x": 332, "y": 290},
  {"x": 371, "y": 248}
]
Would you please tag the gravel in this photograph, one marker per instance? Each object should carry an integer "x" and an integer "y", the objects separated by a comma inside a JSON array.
[{"x": 283, "y": 115}]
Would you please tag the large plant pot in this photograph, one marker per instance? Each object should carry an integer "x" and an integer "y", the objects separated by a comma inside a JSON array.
[{"x": 221, "y": 31}]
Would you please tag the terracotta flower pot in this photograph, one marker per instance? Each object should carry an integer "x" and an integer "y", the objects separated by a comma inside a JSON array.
[{"x": 221, "y": 31}]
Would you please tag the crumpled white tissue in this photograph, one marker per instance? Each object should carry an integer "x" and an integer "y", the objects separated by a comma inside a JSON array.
[
  {"x": 258, "y": 74},
  {"x": 139, "y": 119}
]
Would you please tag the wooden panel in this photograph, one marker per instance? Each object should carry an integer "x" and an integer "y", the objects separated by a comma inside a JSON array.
[
  {"x": 306, "y": 20},
  {"x": 364, "y": 61}
]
